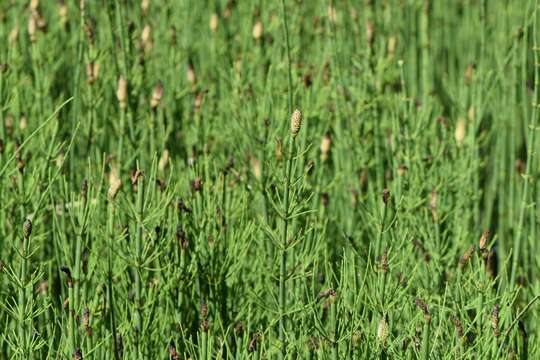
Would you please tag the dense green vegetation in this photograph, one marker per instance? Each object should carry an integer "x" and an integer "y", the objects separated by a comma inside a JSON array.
[{"x": 161, "y": 197}]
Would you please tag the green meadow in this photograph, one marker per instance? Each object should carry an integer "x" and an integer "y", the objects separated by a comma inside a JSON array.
[{"x": 269, "y": 179}]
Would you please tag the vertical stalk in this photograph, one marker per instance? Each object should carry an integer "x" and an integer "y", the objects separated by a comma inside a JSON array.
[
  {"x": 335, "y": 324},
  {"x": 76, "y": 109},
  {"x": 110, "y": 292},
  {"x": 204, "y": 345},
  {"x": 284, "y": 241},
  {"x": 530, "y": 151},
  {"x": 23, "y": 336},
  {"x": 287, "y": 183},
  {"x": 2, "y": 123},
  {"x": 425, "y": 341},
  {"x": 383, "y": 221},
  {"x": 121, "y": 136},
  {"x": 71, "y": 317},
  {"x": 138, "y": 260},
  {"x": 288, "y": 48},
  {"x": 424, "y": 45},
  {"x": 152, "y": 136},
  {"x": 76, "y": 287},
  {"x": 264, "y": 182}
]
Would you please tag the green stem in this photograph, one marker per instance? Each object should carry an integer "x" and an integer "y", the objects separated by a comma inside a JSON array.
[
  {"x": 76, "y": 109},
  {"x": 110, "y": 292},
  {"x": 121, "y": 136},
  {"x": 425, "y": 341},
  {"x": 530, "y": 151},
  {"x": 424, "y": 45},
  {"x": 204, "y": 343},
  {"x": 138, "y": 260},
  {"x": 284, "y": 245},
  {"x": 288, "y": 47},
  {"x": 288, "y": 169},
  {"x": 378, "y": 243},
  {"x": 23, "y": 338}
]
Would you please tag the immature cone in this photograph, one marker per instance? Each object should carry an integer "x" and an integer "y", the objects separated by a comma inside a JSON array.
[
  {"x": 203, "y": 310},
  {"x": 424, "y": 307},
  {"x": 386, "y": 196},
  {"x": 495, "y": 320},
  {"x": 157, "y": 95},
  {"x": 213, "y": 23},
  {"x": 77, "y": 354},
  {"x": 392, "y": 41},
  {"x": 23, "y": 123},
  {"x": 471, "y": 114},
  {"x": 146, "y": 39},
  {"x": 332, "y": 14},
  {"x": 296, "y": 122},
  {"x": 34, "y": 4},
  {"x": 190, "y": 73},
  {"x": 384, "y": 261},
  {"x": 464, "y": 259},
  {"x": 145, "y": 34},
  {"x": 279, "y": 150},
  {"x": 482, "y": 246},
  {"x": 459, "y": 133},
  {"x": 27, "y": 228},
  {"x": 370, "y": 32},
  {"x": 382, "y": 330},
  {"x": 326, "y": 143},
  {"x": 86, "y": 317},
  {"x": 164, "y": 160},
  {"x": 13, "y": 34},
  {"x": 32, "y": 28},
  {"x": 92, "y": 72},
  {"x": 63, "y": 12},
  {"x": 196, "y": 184},
  {"x": 256, "y": 168},
  {"x": 258, "y": 30},
  {"x": 252, "y": 345},
  {"x": 199, "y": 100},
  {"x": 469, "y": 73},
  {"x": 173, "y": 353},
  {"x": 457, "y": 324},
  {"x": 89, "y": 30},
  {"x": 121, "y": 92},
  {"x": 114, "y": 184},
  {"x": 205, "y": 325},
  {"x": 145, "y": 4}
]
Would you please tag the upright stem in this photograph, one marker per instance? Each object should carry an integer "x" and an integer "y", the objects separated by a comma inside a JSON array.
[
  {"x": 288, "y": 169},
  {"x": 2, "y": 123},
  {"x": 288, "y": 47},
  {"x": 110, "y": 292},
  {"x": 378, "y": 244},
  {"x": 425, "y": 342},
  {"x": 22, "y": 296},
  {"x": 138, "y": 259},
  {"x": 284, "y": 241},
  {"x": 530, "y": 151},
  {"x": 152, "y": 134},
  {"x": 424, "y": 45},
  {"x": 74, "y": 299},
  {"x": 121, "y": 137},
  {"x": 76, "y": 109}
]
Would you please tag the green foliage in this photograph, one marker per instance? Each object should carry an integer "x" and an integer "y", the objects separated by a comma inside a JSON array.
[{"x": 157, "y": 200}]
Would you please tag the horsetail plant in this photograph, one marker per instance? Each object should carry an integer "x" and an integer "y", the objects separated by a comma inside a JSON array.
[
  {"x": 251, "y": 237},
  {"x": 295, "y": 125}
]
